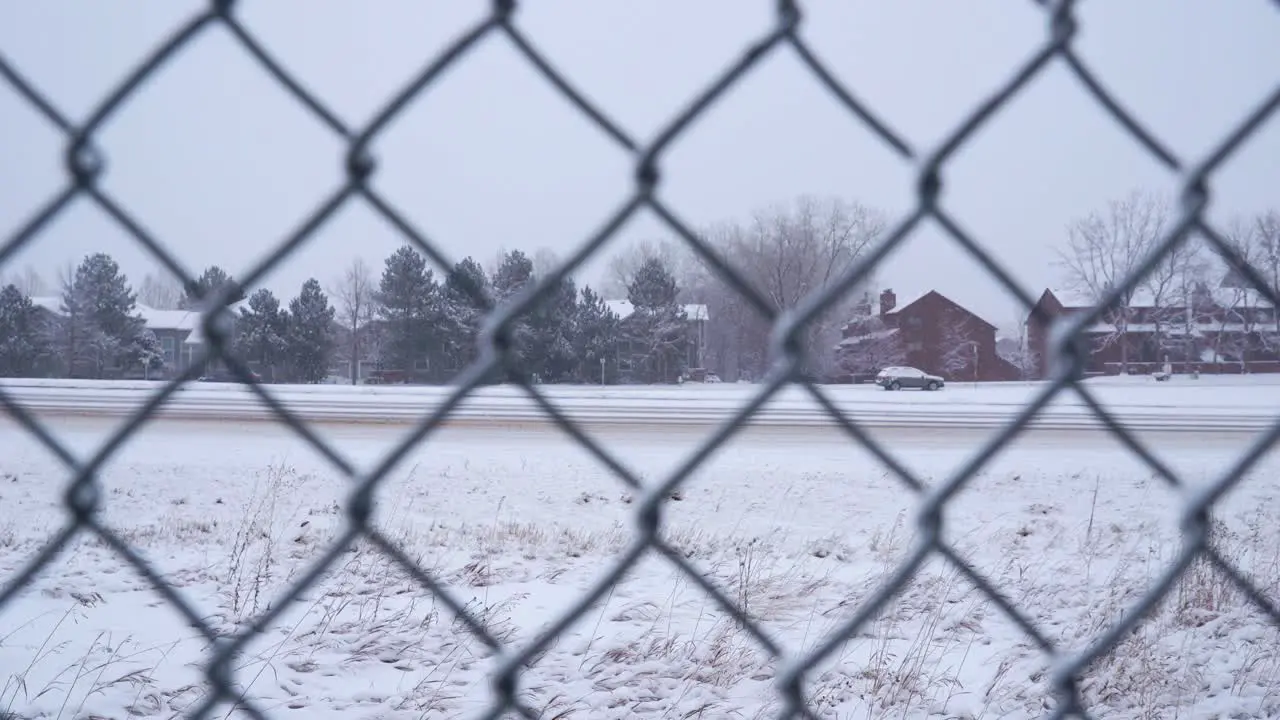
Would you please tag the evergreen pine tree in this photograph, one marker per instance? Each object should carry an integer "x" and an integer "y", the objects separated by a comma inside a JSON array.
[
  {"x": 552, "y": 330},
  {"x": 409, "y": 305},
  {"x": 262, "y": 333},
  {"x": 514, "y": 274},
  {"x": 209, "y": 283},
  {"x": 657, "y": 327},
  {"x": 102, "y": 329},
  {"x": 24, "y": 345},
  {"x": 598, "y": 333},
  {"x": 310, "y": 334},
  {"x": 464, "y": 311}
]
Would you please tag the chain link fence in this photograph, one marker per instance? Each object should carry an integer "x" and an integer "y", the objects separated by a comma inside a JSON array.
[{"x": 84, "y": 166}]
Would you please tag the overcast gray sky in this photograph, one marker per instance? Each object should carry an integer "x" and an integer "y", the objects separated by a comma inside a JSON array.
[{"x": 218, "y": 161}]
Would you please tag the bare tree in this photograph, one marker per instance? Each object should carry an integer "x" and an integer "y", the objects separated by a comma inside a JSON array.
[
  {"x": 785, "y": 252},
  {"x": 1257, "y": 241},
  {"x": 1169, "y": 294},
  {"x": 161, "y": 291},
  {"x": 355, "y": 295},
  {"x": 958, "y": 347},
  {"x": 675, "y": 255},
  {"x": 1105, "y": 249},
  {"x": 788, "y": 254},
  {"x": 1016, "y": 350},
  {"x": 1266, "y": 236},
  {"x": 28, "y": 282},
  {"x": 1186, "y": 303},
  {"x": 1022, "y": 357},
  {"x": 544, "y": 261},
  {"x": 1246, "y": 321}
]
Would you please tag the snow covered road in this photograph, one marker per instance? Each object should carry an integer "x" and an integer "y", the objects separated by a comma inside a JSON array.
[{"x": 1223, "y": 405}]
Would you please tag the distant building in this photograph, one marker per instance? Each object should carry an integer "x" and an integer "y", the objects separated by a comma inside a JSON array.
[
  {"x": 930, "y": 332},
  {"x": 178, "y": 332},
  {"x": 1230, "y": 328}
]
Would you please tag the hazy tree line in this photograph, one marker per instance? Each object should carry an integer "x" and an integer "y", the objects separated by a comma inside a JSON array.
[
  {"x": 413, "y": 321},
  {"x": 421, "y": 324},
  {"x": 95, "y": 327},
  {"x": 98, "y": 331},
  {"x": 408, "y": 323},
  {"x": 422, "y": 328}
]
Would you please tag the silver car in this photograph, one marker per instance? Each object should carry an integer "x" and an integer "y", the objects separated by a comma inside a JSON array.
[{"x": 896, "y": 378}]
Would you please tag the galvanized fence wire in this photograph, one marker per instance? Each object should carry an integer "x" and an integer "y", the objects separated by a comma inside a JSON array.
[{"x": 85, "y": 165}]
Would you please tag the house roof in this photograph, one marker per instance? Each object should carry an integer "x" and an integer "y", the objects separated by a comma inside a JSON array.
[
  {"x": 899, "y": 308},
  {"x": 881, "y": 334},
  {"x": 196, "y": 336},
  {"x": 180, "y": 320},
  {"x": 168, "y": 319},
  {"x": 1229, "y": 297},
  {"x": 1239, "y": 297},
  {"x": 624, "y": 309},
  {"x": 905, "y": 301},
  {"x": 1140, "y": 298},
  {"x": 1069, "y": 298},
  {"x": 1170, "y": 329}
]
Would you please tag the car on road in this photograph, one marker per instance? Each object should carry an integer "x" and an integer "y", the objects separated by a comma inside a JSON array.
[{"x": 896, "y": 378}]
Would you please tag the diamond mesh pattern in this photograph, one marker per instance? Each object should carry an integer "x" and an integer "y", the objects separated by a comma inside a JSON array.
[{"x": 85, "y": 166}]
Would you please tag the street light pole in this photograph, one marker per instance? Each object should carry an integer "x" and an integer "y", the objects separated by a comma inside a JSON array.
[{"x": 602, "y": 371}]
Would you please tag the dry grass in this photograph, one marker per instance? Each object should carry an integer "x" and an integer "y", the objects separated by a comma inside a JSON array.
[
  {"x": 938, "y": 648},
  {"x": 95, "y": 671}
]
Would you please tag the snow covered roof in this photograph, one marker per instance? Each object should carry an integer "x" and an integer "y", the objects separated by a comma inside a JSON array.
[
  {"x": 179, "y": 320},
  {"x": 1177, "y": 328},
  {"x": 196, "y": 336},
  {"x": 1143, "y": 298},
  {"x": 881, "y": 334},
  {"x": 1072, "y": 298},
  {"x": 623, "y": 309},
  {"x": 1229, "y": 297},
  {"x": 168, "y": 319}
]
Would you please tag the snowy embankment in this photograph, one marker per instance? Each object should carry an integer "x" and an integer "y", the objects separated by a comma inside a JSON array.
[
  {"x": 519, "y": 525},
  {"x": 1219, "y": 404}
]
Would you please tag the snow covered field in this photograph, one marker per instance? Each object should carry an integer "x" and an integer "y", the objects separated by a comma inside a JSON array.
[{"x": 796, "y": 531}]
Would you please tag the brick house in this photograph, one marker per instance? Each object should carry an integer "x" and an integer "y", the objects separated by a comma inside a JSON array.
[
  {"x": 1230, "y": 328},
  {"x": 931, "y": 332}
]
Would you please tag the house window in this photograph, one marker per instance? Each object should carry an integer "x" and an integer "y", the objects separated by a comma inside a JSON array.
[{"x": 170, "y": 351}]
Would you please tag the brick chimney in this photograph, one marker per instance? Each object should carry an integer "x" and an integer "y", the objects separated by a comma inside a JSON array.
[{"x": 888, "y": 301}]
